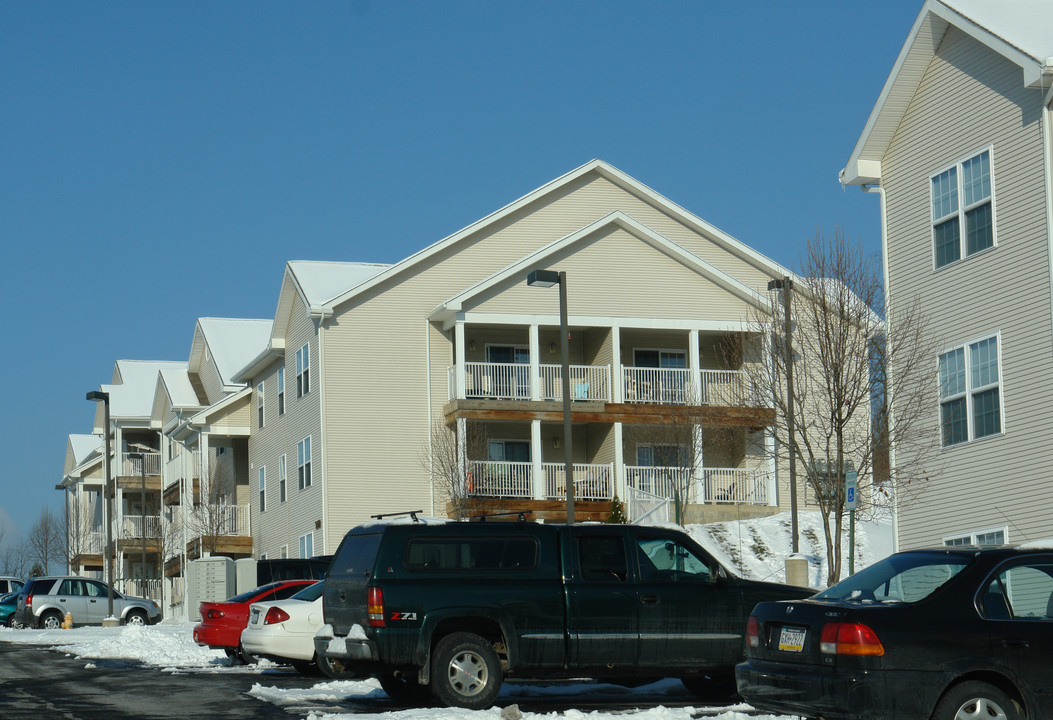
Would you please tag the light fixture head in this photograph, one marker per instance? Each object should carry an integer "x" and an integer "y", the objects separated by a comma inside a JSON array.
[
  {"x": 98, "y": 395},
  {"x": 552, "y": 348},
  {"x": 471, "y": 345},
  {"x": 543, "y": 278}
]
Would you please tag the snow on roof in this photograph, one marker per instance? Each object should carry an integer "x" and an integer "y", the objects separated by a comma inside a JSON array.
[
  {"x": 180, "y": 390},
  {"x": 323, "y": 281},
  {"x": 82, "y": 447},
  {"x": 234, "y": 342},
  {"x": 132, "y": 394},
  {"x": 1027, "y": 25}
]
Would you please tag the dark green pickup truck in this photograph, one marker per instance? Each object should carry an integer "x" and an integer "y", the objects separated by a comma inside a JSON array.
[{"x": 451, "y": 609}]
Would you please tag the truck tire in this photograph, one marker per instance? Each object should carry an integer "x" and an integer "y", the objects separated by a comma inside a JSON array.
[
  {"x": 465, "y": 672},
  {"x": 404, "y": 688}
]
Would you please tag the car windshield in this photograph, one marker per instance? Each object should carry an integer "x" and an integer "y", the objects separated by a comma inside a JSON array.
[
  {"x": 902, "y": 578},
  {"x": 310, "y": 593}
]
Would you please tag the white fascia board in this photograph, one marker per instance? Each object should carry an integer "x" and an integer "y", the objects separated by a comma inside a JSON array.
[
  {"x": 603, "y": 321},
  {"x": 275, "y": 349}
]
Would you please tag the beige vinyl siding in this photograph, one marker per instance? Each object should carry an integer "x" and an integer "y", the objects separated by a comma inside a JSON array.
[
  {"x": 283, "y": 523},
  {"x": 208, "y": 373},
  {"x": 972, "y": 98}
]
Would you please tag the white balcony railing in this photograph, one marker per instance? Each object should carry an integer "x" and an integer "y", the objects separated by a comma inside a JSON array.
[
  {"x": 587, "y": 382},
  {"x": 499, "y": 381},
  {"x": 227, "y": 520},
  {"x": 668, "y": 386},
  {"x": 180, "y": 466},
  {"x": 134, "y": 466},
  {"x": 662, "y": 481},
  {"x": 141, "y": 526},
  {"x": 733, "y": 485},
  {"x": 724, "y": 387},
  {"x": 591, "y": 481},
  {"x": 149, "y": 588},
  {"x": 488, "y": 478},
  {"x": 92, "y": 542}
]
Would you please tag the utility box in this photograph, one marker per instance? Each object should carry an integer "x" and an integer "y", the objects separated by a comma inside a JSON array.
[
  {"x": 245, "y": 572},
  {"x": 209, "y": 579}
]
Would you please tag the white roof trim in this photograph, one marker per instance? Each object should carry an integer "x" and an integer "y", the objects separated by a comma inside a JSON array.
[
  {"x": 518, "y": 269},
  {"x": 608, "y": 171},
  {"x": 864, "y": 164}
]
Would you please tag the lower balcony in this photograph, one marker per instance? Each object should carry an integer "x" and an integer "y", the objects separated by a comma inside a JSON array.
[
  {"x": 711, "y": 486},
  {"x": 494, "y": 479}
]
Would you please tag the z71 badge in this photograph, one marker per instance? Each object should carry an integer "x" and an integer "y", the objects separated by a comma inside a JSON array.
[{"x": 403, "y": 616}]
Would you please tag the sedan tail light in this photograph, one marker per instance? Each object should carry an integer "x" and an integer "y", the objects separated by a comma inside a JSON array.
[
  {"x": 214, "y": 614},
  {"x": 275, "y": 615},
  {"x": 850, "y": 639},
  {"x": 375, "y": 603},
  {"x": 752, "y": 632}
]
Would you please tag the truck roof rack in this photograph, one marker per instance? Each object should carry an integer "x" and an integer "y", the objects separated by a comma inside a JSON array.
[
  {"x": 482, "y": 518},
  {"x": 411, "y": 513}
]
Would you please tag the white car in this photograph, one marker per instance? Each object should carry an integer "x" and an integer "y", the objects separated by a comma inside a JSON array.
[{"x": 283, "y": 630}]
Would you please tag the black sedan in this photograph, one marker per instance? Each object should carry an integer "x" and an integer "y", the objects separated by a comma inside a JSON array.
[{"x": 946, "y": 634}]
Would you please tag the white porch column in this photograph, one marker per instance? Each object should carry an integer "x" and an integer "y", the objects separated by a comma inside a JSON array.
[
  {"x": 535, "y": 365},
  {"x": 617, "y": 386},
  {"x": 619, "y": 465},
  {"x": 462, "y": 465},
  {"x": 537, "y": 471},
  {"x": 695, "y": 363},
  {"x": 459, "y": 364}
]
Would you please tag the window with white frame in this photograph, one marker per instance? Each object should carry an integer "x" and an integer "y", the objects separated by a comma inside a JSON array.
[
  {"x": 303, "y": 463},
  {"x": 970, "y": 397},
  {"x": 303, "y": 370},
  {"x": 284, "y": 552},
  {"x": 989, "y": 536},
  {"x": 281, "y": 479},
  {"x": 307, "y": 545},
  {"x": 263, "y": 488},
  {"x": 281, "y": 390},
  {"x": 259, "y": 404},
  {"x": 962, "y": 209}
]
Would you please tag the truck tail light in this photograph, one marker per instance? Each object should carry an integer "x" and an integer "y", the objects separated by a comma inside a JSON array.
[
  {"x": 375, "y": 606},
  {"x": 275, "y": 615},
  {"x": 752, "y": 632},
  {"x": 850, "y": 639}
]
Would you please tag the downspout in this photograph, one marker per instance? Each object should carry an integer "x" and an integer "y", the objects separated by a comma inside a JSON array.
[
  {"x": 427, "y": 406},
  {"x": 876, "y": 188},
  {"x": 322, "y": 426},
  {"x": 1047, "y": 170}
]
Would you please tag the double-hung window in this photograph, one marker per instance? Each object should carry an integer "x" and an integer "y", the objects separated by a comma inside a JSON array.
[
  {"x": 307, "y": 545},
  {"x": 962, "y": 209},
  {"x": 303, "y": 370},
  {"x": 259, "y": 404},
  {"x": 263, "y": 488},
  {"x": 281, "y": 390},
  {"x": 281, "y": 479},
  {"x": 970, "y": 397},
  {"x": 303, "y": 463}
]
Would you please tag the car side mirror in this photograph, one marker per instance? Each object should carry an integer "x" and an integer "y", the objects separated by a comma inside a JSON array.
[{"x": 721, "y": 575}]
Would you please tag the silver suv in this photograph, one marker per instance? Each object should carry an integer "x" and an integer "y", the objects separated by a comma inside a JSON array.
[{"x": 44, "y": 601}]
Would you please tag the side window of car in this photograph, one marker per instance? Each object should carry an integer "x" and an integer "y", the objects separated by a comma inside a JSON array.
[
  {"x": 602, "y": 558},
  {"x": 286, "y": 592},
  {"x": 69, "y": 587},
  {"x": 1028, "y": 590},
  {"x": 95, "y": 589},
  {"x": 665, "y": 559}
]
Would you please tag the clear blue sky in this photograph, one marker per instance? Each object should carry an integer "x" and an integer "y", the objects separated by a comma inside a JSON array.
[{"x": 160, "y": 162}]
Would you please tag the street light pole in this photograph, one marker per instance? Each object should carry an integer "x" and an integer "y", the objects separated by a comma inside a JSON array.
[
  {"x": 786, "y": 285},
  {"x": 141, "y": 457},
  {"x": 548, "y": 278},
  {"x": 104, "y": 398}
]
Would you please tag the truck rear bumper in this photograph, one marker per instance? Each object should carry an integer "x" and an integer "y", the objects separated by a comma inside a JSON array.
[{"x": 346, "y": 648}]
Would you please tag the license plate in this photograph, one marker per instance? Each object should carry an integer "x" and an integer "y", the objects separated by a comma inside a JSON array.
[
  {"x": 255, "y": 617},
  {"x": 792, "y": 639}
]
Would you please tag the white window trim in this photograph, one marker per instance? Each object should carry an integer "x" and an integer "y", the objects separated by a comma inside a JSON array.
[
  {"x": 262, "y": 475},
  {"x": 283, "y": 479},
  {"x": 971, "y": 536},
  {"x": 261, "y": 413},
  {"x": 283, "y": 552},
  {"x": 280, "y": 381},
  {"x": 303, "y": 542},
  {"x": 660, "y": 350},
  {"x": 962, "y": 239},
  {"x": 303, "y": 370},
  {"x": 970, "y": 391},
  {"x": 308, "y": 482}
]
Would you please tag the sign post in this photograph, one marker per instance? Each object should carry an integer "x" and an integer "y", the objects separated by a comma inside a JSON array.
[{"x": 851, "y": 501}]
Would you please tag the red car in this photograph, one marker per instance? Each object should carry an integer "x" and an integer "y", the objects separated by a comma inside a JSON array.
[{"x": 222, "y": 622}]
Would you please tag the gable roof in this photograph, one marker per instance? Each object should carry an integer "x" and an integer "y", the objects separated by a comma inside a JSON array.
[
  {"x": 602, "y": 169},
  {"x": 132, "y": 390},
  {"x": 447, "y": 310},
  {"x": 1017, "y": 30},
  {"x": 232, "y": 344}
]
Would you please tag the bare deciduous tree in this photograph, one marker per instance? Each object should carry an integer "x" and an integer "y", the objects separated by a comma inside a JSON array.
[
  {"x": 845, "y": 354},
  {"x": 46, "y": 539},
  {"x": 449, "y": 462},
  {"x": 216, "y": 515}
]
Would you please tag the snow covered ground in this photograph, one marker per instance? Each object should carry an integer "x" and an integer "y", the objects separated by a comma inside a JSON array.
[{"x": 753, "y": 549}]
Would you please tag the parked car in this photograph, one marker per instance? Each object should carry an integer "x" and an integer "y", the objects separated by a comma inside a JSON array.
[
  {"x": 10, "y": 584},
  {"x": 8, "y": 605},
  {"x": 44, "y": 601},
  {"x": 283, "y": 630},
  {"x": 946, "y": 634},
  {"x": 222, "y": 622}
]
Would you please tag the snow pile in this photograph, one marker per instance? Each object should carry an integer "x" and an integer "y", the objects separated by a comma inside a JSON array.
[{"x": 758, "y": 548}]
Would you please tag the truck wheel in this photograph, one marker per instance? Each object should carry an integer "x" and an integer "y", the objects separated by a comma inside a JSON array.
[
  {"x": 465, "y": 672},
  {"x": 403, "y": 687}
]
